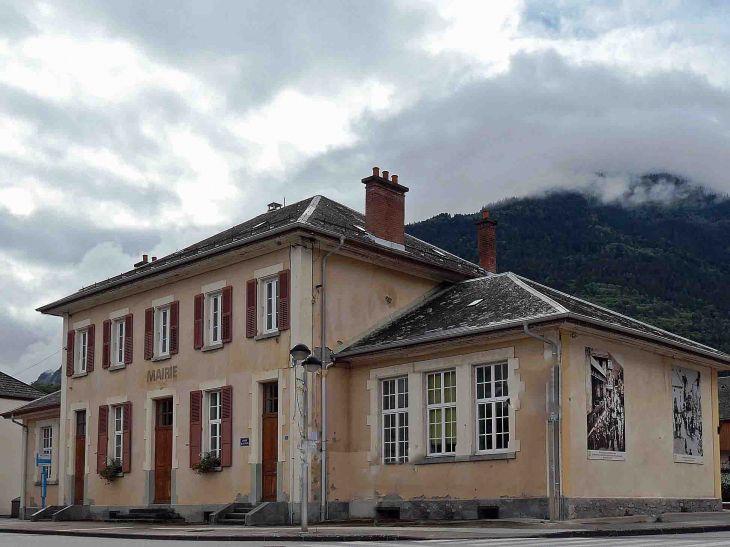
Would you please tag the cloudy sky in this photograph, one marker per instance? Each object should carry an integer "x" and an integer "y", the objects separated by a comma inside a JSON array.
[{"x": 142, "y": 126}]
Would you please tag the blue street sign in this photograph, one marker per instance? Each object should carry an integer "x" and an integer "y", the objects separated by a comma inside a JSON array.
[{"x": 42, "y": 460}]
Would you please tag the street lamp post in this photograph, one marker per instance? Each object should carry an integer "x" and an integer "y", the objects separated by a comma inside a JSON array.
[{"x": 302, "y": 356}]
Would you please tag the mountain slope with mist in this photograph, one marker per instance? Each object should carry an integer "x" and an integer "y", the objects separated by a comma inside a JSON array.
[{"x": 658, "y": 251}]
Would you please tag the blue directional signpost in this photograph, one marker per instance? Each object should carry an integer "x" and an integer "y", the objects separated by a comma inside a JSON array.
[{"x": 43, "y": 461}]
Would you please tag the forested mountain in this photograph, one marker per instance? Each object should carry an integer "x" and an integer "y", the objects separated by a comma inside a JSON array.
[{"x": 659, "y": 252}]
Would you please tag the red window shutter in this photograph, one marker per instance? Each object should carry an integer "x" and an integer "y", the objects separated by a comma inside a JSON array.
[
  {"x": 103, "y": 438},
  {"x": 128, "y": 339},
  {"x": 227, "y": 314},
  {"x": 226, "y": 426},
  {"x": 283, "y": 304},
  {"x": 90, "y": 349},
  {"x": 174, "y": 326},
  {"x": 251, "y": 309},
  {"x": 196, "y": 427},
  {"x": 126, "y": 437},
  {"x": 106, "y": 334},
  {"x": 70, "y": 338},
  {"x": 198, "y": 321},
  {"x": 149, "y": 332}
]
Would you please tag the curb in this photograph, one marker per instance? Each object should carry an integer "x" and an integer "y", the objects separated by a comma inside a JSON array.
[{"x": 369, "y": 537}]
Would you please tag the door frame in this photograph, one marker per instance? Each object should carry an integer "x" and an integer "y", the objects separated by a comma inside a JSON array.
[
  {"x": 257, "y": 430},
  {"x": 76, "y": 436},
  {"x": 153, "y": 496},
  {"x": 70, "y": 464},
  {"x": 262, "y": 409},
  {"x": 149, "y": 461}
]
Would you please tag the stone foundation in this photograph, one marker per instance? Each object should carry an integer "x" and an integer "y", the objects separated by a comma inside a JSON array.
[
  {"x": 456, "y": 509},
  {"x": 581, "y": 508}
]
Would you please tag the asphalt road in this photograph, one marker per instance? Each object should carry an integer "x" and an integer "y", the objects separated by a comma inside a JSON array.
[{"x": 716, "y": 539}]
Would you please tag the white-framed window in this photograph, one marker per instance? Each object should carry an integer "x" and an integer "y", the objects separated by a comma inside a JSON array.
[
  {"x": 271, "y": 297},
  {"x": 215, "y": 301},
  {"x": 214, "y": 423},
  {"x": 118, "y": 416},
  {"x": 163, "y": 331},
  {"x": 492, "y": 412},
  {"x": 47, "y": 446},
  {"x": 395, "y": 420},
  {"x": 441, "y": 407},
  {"x": 118, "y": 342},
  {"x": 82, "y": 341}
]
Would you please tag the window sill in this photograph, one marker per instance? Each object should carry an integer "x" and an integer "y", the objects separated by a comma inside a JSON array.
[
  {"x": 48, "y": 483},
  {"x": 474, "y": 458},
  {"x": 80, "y": 374},
  {"x": 272, "y": 334},
  {"x": 161, "y": 358},
  {"x": 212, "y": 347},
  {"x": 117, "y": 367}
]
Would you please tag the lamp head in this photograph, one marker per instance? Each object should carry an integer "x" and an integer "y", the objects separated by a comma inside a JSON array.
[
  {"x": 312, "y": 364},
  {"x": 300, "y": 352}
]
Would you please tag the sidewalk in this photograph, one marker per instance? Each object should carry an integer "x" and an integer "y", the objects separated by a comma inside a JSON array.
[{"x": 496, "y": 529}]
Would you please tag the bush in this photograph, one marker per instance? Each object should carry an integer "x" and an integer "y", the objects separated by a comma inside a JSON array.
[
  {"x": 208, "y": 462},
  {"x": 111, "y": 471},
  {"x": 725, "y": 485}
]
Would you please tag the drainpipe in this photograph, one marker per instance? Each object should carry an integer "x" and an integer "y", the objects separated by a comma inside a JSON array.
[
  {"x": 323, "y": 498},
  {"x": 553, "y": 408},
  {"x": 23, "y": 465}
]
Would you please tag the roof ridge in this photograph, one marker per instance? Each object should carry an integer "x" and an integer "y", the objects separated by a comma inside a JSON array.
[
  {"x": 624, "y": 316},
  {"x": 545, "y": 298},
  {"x": 343, "y": 205},
  {"x": 313, "y": 204},
  {"x": 21, "y": 382}
]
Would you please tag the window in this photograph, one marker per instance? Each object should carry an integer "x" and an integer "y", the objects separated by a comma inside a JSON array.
[
  {"x": 83, "y": 342},
  {"x": 118, "y": 343},
  {"x": 118, "y": 435},
  {"x": 164, "y": 413},
  {"x": 395, "y": 420},
  {"x": 163, "y": 330},
  {"x": 214, "y": 423},
  {"x": 442, "y": 413},
  {"x": 270, "y": 304},
  {"x": 214, "y": 305},
  {"x": 492, "y": 399},
  {"x": 81, "y": 423},
  {"x": 47, "y": 447}
]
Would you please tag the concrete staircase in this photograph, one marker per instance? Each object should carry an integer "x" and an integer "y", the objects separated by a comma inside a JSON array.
[
  {"x": 237, "y": 516},
  {"x": 46, "y": 514},
  {"x": 152, "y": 515}
]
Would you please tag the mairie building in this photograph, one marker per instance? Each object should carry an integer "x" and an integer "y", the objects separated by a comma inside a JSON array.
[{"x": 447, "y": 390}]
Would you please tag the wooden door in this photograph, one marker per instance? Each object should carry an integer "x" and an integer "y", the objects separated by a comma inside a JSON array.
[
  {"x": 270, "y": 441},
  {"x": 163, "y": 451},
  {"x": 80, "y": 455}
]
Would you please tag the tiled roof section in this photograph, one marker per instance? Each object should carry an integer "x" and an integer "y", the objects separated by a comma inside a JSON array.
[
  {"x": 12, "y": 388},
  {"x": 724, "y": 397},
  {"x": 502, "y": 301},
  {"x": 494, "y": 300},
  {"x": 581, "y": 307},
  {"x": 335, "y": 217},
  {"x": 324, "y": 214},
  {"x": 47, "y": 401}
]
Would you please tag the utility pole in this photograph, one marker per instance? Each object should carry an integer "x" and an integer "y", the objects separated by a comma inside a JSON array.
[{"x": 305, "y": 455}]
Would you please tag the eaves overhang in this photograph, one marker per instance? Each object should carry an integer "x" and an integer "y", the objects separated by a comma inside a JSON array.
[
  {"x": 24, "y": 412},
  {"x": 722, "y": 358},
  {"x": 150, "y": 271}
]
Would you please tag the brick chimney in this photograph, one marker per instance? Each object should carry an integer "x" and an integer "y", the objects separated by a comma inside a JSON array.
[
  {"x": 487, "y": 242},
  {"x": 385, "y": 207}
]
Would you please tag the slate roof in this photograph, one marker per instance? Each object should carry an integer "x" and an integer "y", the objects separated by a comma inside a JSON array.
[
  {"x": 317, "y": 213},
  {"x": 49, "y": 401},
  {"x": 500, "y": 302},
  {"x": 12, "y": 388},
  {"x": 724, "y": 398}
]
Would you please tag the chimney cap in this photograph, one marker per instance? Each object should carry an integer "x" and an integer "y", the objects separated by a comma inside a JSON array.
[
  {"x": 142, "y": 262},
  {"x": 383, "y": 181},
  {"x": 273, "y": 206}
]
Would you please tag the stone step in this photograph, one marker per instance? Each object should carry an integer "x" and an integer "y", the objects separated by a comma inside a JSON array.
[
  {"x": 146, "y": 520},
  {"x": 240, "y": 507},
  {"x": 237, "y": 516},
  {"x": 151, "y": 510}
]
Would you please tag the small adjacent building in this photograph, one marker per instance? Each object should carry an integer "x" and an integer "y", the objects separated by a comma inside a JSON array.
[
  {"x": 13, "y": 393},
  {"x": 447, "y": 391}
]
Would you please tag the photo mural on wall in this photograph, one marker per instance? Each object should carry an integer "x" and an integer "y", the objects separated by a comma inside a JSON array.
[
  {"x": 687, "y": 415},
  {"x": 606, "y": 410}
]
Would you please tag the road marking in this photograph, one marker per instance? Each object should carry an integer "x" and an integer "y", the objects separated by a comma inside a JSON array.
[{"x": 91, "y": 529}]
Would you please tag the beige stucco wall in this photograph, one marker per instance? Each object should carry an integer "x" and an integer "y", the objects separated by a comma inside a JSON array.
[
  {"x": 356, "y": 475},
  {"x": 33, "y": 477},
  {"x": 10, "y": 455},
  {"x": 649, "y": 469},
  {"x": 237, "y": 363}
]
